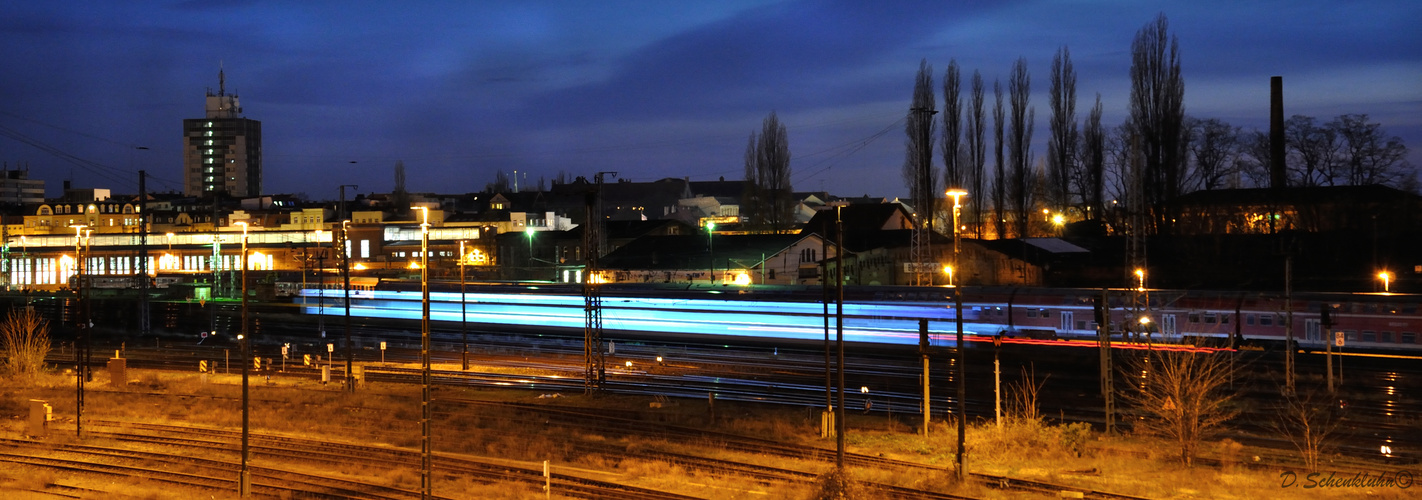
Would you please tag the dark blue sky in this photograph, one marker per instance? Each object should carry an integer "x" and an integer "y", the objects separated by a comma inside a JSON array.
[{"x": 458, "y": 90}]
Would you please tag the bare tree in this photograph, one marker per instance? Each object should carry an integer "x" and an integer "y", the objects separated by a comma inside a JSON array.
[
  {"x": 1369, "y": 156},
  {"x": 977, "y": 154},
  {"x": 918, "y": 157},
  {"x": 1022, "y": 396},
  {"x": 953, "y": 176},
  {"x": 1254, "y": 159},
  {"x": 1158, "y": 112},
  {"x": 1091, "y": 162},
  {"x": 1310, "y": 422},
  {"x": 1181, "y": 395},
  {"x": 500, "y": 185},
  {"x": 1216, "y": 150},
  {"x": 24, "y": 343},
  {"x": 1063, "y": 131},
  {"x": 768, "y": 177},
  {"x": 400, "y": 196},
  {"x": 1312, "y": 151},
  {"x": 1019, "y": 88},
  {"x": 999, "y": 179}
]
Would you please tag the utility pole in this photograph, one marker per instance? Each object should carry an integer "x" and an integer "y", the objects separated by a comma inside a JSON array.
[
  {"x": 463, "y": 308},
  {"x": 595, "y": 370},
  {"x": 1103, "y": 338},
  {"x": 244, "y": 486},
  {"x": 1326, "y": 322},
  {"x": 839, "y": 336},
  {"x": 346, "y": 275},
  {"x": 1289, "y": 320},
  {"x": 81, "y": 332},
  {"x": 826, "y": 422},
  {"x": 426, "y": 446},
  {"x": 144, "y": 323},
  {"x": 923, "y": 346}
]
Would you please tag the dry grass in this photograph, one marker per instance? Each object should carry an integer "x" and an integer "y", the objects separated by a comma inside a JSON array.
[{"x": 389, "y": 414}]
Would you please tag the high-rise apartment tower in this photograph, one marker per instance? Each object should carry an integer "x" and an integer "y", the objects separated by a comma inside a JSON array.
[{"x": 222, "y": 153}]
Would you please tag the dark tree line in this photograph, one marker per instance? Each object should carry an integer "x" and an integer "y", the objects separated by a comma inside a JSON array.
[{"x": 1158, "y": 152}]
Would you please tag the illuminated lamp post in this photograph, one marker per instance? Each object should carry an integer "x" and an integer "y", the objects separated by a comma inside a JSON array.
[
  {"x": 170, "y": 241},
  {"x": 426, "y": 477},
  {"x": 83, "y": 326},
  {"x": 529, "y": 231},
  {"x": 244, "y": 486},
  {"x": 711, "y": 246},
  {"x": 957, "y": 195},
  {"x": 1386, "y": 278}
]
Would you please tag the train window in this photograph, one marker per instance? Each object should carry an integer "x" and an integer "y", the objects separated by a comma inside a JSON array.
[
  {"x": 1194, "y": 317},
  {"x": 1209, "y": 318},
  {"x": 1409, "y": 308},
  {"x": 1031, "y": 313},
  {"x": 1249, "y": 319},
  {"x": 1046, "y": 313},
  {"x": 1385, "y": 337},
  {"x": 1224, "y": 319},
  {"x": 1370, "y": 336},
  {"x": 1409, "y": 338},
  {"x": 1266, "y": 320}
]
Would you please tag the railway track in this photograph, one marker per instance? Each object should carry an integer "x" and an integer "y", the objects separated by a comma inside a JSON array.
[
  {"x": 609, "y": 422},
  {"x": 336, "y": 453},
  {"x": 152, "y": 466}
]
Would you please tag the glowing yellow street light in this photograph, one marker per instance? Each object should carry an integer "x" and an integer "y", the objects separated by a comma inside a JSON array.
[
  {"x": 1140, "y": 275},
  {"x": 961, "y": 458},
  {"x": 1386, "y": 279},
  {"x": 245, "y": 346},
  {"x": 1058, "y": 220},
  {"x": 949, "y": 270},
  {"x": 426, "y": 448},
  {"x": 170, "y": 241}
]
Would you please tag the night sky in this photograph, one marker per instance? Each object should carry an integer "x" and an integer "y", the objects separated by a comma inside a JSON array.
[{"x": 458, "y": 90}]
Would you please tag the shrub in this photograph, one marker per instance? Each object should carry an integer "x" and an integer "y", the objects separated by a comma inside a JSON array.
[{"x": 24, "y": 342}]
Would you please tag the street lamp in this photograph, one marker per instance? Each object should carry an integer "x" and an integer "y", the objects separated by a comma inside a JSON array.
[
  {"x": 426, "y": 478},
  {"x": 529, "y": 231},
  {"x": 1140, "y": 276},
  {"x": 1386, "y": 279},
  {"x": 957, "y": 195},
  {"x": 949, "y": 270},
  {"x": 82, "y": 333},
  {"x": 170, "y": 241},
  {"x": 244, "y": 486},
  {"x": 711, "y": 248}
]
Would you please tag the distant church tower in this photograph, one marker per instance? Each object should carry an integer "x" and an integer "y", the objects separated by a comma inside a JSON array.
[{"x": 222, "y": 153}]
